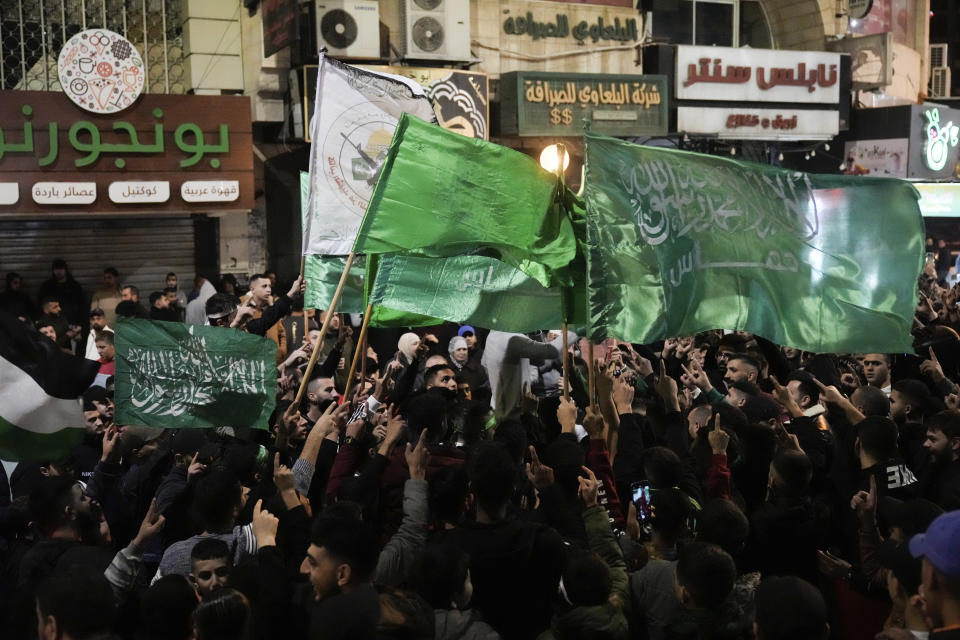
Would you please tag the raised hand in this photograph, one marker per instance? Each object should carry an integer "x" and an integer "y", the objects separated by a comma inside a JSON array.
[
  {"x": 152, "y": 524},
  {"x": 719, "y": 439},
  {"x": 196, "y": 467},
  {"x": 864, "y": 503},
  {"x": 593, "y": 422},
  {"x": 110, "y": 439},
  {"x": 589, "y": 487},
  {"x": 697, "y": 376},
  {"x": 931, "y": 368},
  {"x": 264, "y": 526},
  {"x": 418, "y": 457},
  {"x": 283, "y": 478},
  {"x": 539, "y": 474},
  {"x": 298, "y": 288},
  {"x": 567, "y": 414},
  {"x": 830, "y": 394}
]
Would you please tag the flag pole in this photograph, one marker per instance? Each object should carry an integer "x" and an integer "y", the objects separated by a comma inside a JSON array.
[
  {"x": 591, "y": 373},
  {"x": 363, "y": 361},
  {"x": 561, "y": 152},
  {"x": 306, "y": 320},
  {"x": 356, "y": 352},
  {"x": 323, "y": 329}
]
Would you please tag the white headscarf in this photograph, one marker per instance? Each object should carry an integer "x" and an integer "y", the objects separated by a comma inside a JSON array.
[
  {"x": 457, "y": 342},
  {"x": 408, "y": 346}
]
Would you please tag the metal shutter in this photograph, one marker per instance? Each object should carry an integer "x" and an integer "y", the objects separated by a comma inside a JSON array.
[{"x": 142, "y": 250}]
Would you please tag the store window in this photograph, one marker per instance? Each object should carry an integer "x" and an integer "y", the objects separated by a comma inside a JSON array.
[{"x": 721, "y": 23}]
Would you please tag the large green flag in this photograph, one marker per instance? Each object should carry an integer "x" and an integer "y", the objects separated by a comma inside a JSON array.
[
  {"x": 443, "y": 194},
  {"x": 172, "y": 375},
  {"x": 682, "y": 242},
  {"x": 472, "y": 289}
]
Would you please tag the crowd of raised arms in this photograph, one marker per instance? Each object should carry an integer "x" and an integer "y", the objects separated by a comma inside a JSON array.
[{"x": 710, "y": 486}]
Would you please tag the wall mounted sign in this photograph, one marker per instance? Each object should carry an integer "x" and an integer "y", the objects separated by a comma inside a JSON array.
[
  {"x": 210, "y": 190},
  {"x": 583, "y": 31},
  {"x": 9, "y": 193},
  {"x": 139, "y": 191},
  {"x": 536, "y": 103},
  {"x": 871, "y": 59},
  {"x": 747, "y": 123},
  {"x": 64, "y": 193},
  {"x": 757, "y": 75},
  {"x": 461, "y": 99},
  {"x": 877, "y": 157},
  {"x": 939, "y": 199},
  {"x": 172, "y": 138},
  {"x": 100, "y": 71},
  {"x": 280, "y": 28},
  {"x": 938, "y": 139}
]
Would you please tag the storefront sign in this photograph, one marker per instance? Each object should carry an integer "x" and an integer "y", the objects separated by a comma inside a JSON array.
[
  {"x": 877, "y": 157},
  {"x": 139, "y": 192},
  {"x": 938, "y": 139},
  {"x": 757, "y": 75},
  {"x": 858, "y": 9},
  {"x": 9, "y": 193},
  {"x": 582, "y": 31},
  {"x": 759, "y": 124},
  {"x": 280, "y": 27},
  {"x": 461, "y": 99},
  {"x": 44, "y": 138},
  {"x": 939, "y": 199},
  {"x": 871, "y": 59},
  {"x": 100, "y": 71},
  {"x": 62, "y": 193},
  {"x": 537, "y": 103},
  {"x": 210, "y": 191}
]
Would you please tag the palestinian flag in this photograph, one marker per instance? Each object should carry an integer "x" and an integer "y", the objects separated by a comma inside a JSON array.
[{"x": 41, "y": 415}]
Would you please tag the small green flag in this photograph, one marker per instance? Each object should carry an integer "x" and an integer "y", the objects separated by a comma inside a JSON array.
[
  {"x": 471, "y": 289},
  {"x": 441, "y": 194},
  {"x": 172, "y": 375},
  {"x": 680, "y": 243},
  {"x": 322, "y": 274}
]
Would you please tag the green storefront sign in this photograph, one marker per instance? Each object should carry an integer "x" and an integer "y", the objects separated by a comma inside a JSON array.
[{"x": 534, "y": 103}]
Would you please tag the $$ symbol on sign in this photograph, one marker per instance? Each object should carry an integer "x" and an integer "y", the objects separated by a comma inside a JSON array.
[{"x": 561, "y": 117}]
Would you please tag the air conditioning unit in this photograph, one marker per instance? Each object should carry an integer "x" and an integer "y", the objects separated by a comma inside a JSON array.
[
  {"x": 938, "y": 56},
  {"x": 436, "y": 29},
  {"x": 349, "y": 28},
  {"x": 940, "y": 82}
]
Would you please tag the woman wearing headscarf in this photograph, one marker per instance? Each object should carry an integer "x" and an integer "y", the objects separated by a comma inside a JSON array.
[
  {"x": 469, "y": 371},
  {"x": 406, "y": 364}
]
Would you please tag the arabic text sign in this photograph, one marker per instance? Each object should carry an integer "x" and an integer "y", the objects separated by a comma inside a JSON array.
[
  {"x": 61, "y": 193},
  {"x": 139, "y": 192},
  {"x": 757, "y": 75},
  {"x": 748, "y": 123},
  {"x": 210, "y": 190},
  {"x": 539, "y": 103},
  {"x": 45, "y": 138}
]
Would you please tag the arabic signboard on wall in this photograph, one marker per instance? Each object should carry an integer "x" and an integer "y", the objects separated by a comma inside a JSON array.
[
  {"x": 461, "y": 99},
  {"x": 583, "y": 31},
  {"x": 877, "y": 157},
  {"x": 747, "y": 123},
  {"x": 939, "y": 199},
  {"x": 535, "y": 103},
  {"x": 280, "y": 28},
  {"x": 164, "y": 153},
  {"x": 757, "y": 75}
]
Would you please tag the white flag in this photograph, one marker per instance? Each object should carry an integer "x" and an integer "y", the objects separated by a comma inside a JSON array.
[{"x": 354, "y": 117}]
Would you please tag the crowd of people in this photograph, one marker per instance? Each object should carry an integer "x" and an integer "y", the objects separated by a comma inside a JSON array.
[{"x": 466, "y": 484}]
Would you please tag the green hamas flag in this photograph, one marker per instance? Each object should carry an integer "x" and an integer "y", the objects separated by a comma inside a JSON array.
[
  {"x": 680, "y": 243},
  {"x": 322, "y": 273},
  {"x": 172, "y": 375},
  {"x": 441, "y": 194},
  {"x": 467, "y": 289}
]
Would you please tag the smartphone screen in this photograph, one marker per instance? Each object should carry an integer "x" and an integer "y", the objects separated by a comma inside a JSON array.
[{"x": 641, "y": 499}]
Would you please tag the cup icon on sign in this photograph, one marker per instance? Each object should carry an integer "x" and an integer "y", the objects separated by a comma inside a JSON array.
[{"x": 85, "y": 65}]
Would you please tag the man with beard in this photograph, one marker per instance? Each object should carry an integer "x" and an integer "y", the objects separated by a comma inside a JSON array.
[
  {"x": 940, "y": 576},
  {"x": 320, "y": 393},
  {"x": 940, "y": 481}
]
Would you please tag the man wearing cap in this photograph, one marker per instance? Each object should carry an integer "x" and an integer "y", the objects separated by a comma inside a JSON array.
[
  {"x": 940, "y": 582},
  {"x": 98, "y": 322},
  {"x": 469, "y": 334}
]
